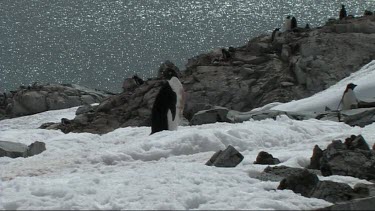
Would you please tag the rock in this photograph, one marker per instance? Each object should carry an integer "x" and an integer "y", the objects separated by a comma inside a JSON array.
[
  {"x": 315, "y": 159},
  {"x": 349, "y": 159},
  {"x": 264, "y": 158},
  {"x": 358, "y": 117},
  {"x": 217, "y": 114},
  {"x": 335, "y": 192},
  {"x": 307, "y": 184},
  {"x": 40, "y": 98},
  {"x": 303, "y": 183},
  {"x": 36, "y": 148},
  {"x": 129, "y": 84},
  {"x": 84, "y": 109},
  {"x": 230, "y": 157},
  {"x": 356, "y": 142},
  {"x": 14, "y": 150},
  {"x": 278, "y": 173},
  {"x": 356, "y": 204}
]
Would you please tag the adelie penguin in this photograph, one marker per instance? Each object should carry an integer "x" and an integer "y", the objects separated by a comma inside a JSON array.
[
  {"x": 349, "y": 100},
  {"x": 290, "y": 23},
  {"x": 168, "y": 106},
  {"x": 342, "y": 12}
]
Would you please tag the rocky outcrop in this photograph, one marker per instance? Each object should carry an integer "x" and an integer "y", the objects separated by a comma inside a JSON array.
[
  {"x": 15, "y": 150},
  {"x": 292, "y": 66},
  {"x": 352, "y": 158},
  {"x": 39, "y": 98},
  {"x": 308, "y": 184},
  {"x": 230, "y": 157}
]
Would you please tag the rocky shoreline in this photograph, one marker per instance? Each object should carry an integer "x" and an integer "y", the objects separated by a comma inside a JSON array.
[{"x": 292, "y": 66}]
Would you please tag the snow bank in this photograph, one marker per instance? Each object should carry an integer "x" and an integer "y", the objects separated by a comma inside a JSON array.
[{"x": 331, "y": 97}]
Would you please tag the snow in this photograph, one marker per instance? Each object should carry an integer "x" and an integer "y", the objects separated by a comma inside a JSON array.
[
  {"x": 130, "y": 169},
  {"x": 331, "y": 97}
]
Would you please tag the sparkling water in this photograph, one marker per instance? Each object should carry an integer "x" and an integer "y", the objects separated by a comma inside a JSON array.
[{"x": 98, "y": 43}]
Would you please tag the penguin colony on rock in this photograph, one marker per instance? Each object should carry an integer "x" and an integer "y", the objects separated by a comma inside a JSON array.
[{"x": 169, "y": 103}]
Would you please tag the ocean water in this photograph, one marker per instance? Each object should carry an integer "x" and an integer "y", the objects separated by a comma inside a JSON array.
[{"x": 98, "y": 43}]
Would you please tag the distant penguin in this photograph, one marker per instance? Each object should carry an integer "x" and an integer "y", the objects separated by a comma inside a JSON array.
[
  {"x": 137, "y": 80},
  {"x": 225, "y": 54},
  {"x": 349, "y": 100},
  {"x": 287, "y": 24},
  {"x": 293, "y": 23},
  {"x": 168, "y": 106},
  {"x": 274, "y": 34},
  {"x": 342, "y": 12},
  {"x": 307, "y": 26}
]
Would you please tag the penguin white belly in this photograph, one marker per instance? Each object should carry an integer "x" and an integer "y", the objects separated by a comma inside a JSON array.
[
  {"x": 349, "y": 100},
  {"x": 173, "y": 124}
]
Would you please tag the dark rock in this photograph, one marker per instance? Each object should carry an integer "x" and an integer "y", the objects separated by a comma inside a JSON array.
[
  {"x": 339, "y": 159},
  {"x": 230, "y": 157},
  {"x": 36, "y": 148},
  {"x": 356, "y": 204},
  {"x": 358, "y": 117},
  {"x": 335, "y": 192},
  {"x": 84, "y": 109},
  {"x": 315, "y": 159},
  {"x": 303, "y": 183},
  {"x": 264, "y": 158},
  {"x": 356, "y": 142},
  {"x": 278, "y": 173}
]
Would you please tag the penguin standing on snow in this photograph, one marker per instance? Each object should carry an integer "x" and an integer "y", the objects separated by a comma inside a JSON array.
[
  {"x": 349, "y": 100},
  {"x": 168, "y": 106}
]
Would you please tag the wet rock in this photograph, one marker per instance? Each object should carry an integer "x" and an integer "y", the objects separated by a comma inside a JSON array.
[
  {"x": 36, "y": 148},
  {"x": 230, "y": 157},
  {"x": 356, "y": 204},
  {"x": 264, "y": 158}
]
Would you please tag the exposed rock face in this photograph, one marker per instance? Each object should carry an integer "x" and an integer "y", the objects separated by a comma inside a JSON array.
[
  {"x": 217, "y": 114},
  {"x": 264, "y": 158},
  {"x": 295, "y": 65},
  {"x": 14, "y": 150},
  {"x": 352, "y": 158},
  {"x": 230, "y": 157},
  {"x": 39, "y": 98}
]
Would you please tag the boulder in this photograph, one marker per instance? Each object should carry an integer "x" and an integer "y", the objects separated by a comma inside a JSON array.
[
  {"x": 40, "y": 98},
  {"x": 356, "y": 204},
  {"x": 303, "y": 183},
  {"x": 352, "y": 158},
  {"x": 264, "y": 158},
  {"x": 230, "y": 157},
  {"x": 14, "y": 149},
  {"x": 278, "y": 173},
  {"x": 307, "y": 184}
]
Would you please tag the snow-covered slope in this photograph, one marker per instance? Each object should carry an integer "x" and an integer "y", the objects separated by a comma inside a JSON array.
[
  {"x": 129, "y": 169},
  {"x": 331, "y": 97}
]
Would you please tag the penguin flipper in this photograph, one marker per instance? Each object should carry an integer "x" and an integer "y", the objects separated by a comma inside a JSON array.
[{"x": 172, "y": 105}]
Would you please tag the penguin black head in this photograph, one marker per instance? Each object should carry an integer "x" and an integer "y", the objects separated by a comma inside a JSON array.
[
  {"x": 350, "y": 86},
  {"x": 170, "y": 73},
  {"x": 343, "y": 6},
  {"x": 288, "y": 17}
]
